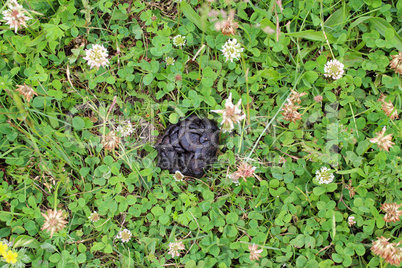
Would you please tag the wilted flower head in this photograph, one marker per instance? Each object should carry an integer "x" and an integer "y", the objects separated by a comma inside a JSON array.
[
  {"x": 245, "y": 170},
  {"x": 231, "y": 114},
  {"x": 10, "y": 257},
  {"x": 124, "y": 235},
  {"x": 231, "y": 50},
  {"x": 234, "y": 177},
  {"x": 351, "y": 220},
  {"x": 351, "y": 189},
  {"x": 15, "y": 15},
  {"x": 96, "y": 56},
  {"x": 125, "y": 130},
  {"x": 26, "y": 91},
  {"x": 179, "y": 40},
  {"x": 94, "y": 217},
  {"x": 178, "y": 176},
  {"x": 111, "y": 141},
  {"x": 318, "y": 98},
  {"x": 383, "y": 142},
  {"x": 392, "y": 212},
  {"x": 295, "y": 96},
  {"x": 333, "y": 69},
  {"x": 54, "y": 221},
  {"x": 254, "y": 253},
  {"x": 324, "y": 176},
  {"x": 175, "y": 247},
  {"x": 396, "y": 63},
  {"x": 383, "y": 248},
  {"x": 170, "y": 61},
  {"x": 388, "y": 108},
  {"x": 396, "y": 258},
  {"x": 290, "y": 112},
  {"x": 227, "y": 26}
]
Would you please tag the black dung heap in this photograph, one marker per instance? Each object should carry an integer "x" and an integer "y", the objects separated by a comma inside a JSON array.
[{"x": 189, "y": 146}]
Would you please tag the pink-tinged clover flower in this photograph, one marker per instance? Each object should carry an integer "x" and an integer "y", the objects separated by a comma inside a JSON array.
[
  {"x": 15, "y": 15},
  {"x": 175, "y": 247},
  {"x": 254, "y": 252}
]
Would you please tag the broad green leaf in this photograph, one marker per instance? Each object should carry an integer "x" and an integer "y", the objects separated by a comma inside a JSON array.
[
  {"x": 319, "y": 190},
  {"x": 192, "y": 16},
  {"x": 310, "y": 76},
  {"x": 312, "y": 35},
  {"x": 382, "y": 26},
  {"x": 78, "y": 123},
  {"x": 148, "y": 79},
  {"x": 25, "y": 241},
  {"x": 337, "y": 19}
]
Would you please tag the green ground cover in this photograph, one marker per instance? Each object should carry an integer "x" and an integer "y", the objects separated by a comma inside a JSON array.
[{"x": 307, "y": 95}]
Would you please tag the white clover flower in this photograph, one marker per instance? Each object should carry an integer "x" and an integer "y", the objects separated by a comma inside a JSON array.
[
  {"x": 94, "y": 217},
  {"x": 231, "y": 114},
  {"x": 125, "y": 130},
  {"x": 324, "y": 176},
  {"x": 231, "y": 50},
  {"x": 97, "y": 56},
  {"x": 169, "y": 61},
  {"x": 334, "y": 69},
  {"x": 174, "y": 248},
  {"x": 124, "y": 235},
  {"x": 15, "y": 15},
  {"x": 179, "y": 40}
]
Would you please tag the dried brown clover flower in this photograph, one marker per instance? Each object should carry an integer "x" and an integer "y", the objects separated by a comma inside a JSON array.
[
  {"x": 396, "y": 258},
  {"x": 388, "y": 108},
  {"x": 382, "y": 247},
  {"x": 26, "y": 91},
  {"x": 54, "y": 221},
  {"x": 391, "y": 252},
  {"x": 111, "y": 141},
  {"x": 295, "y": 96},
  {"x": 227, "y": 26},
  {"x": 392, "y": 213},
  {"x": 383, "y": 142},
  {"x": 396, "y": 63},
  {"x": 290, "y": 112}
]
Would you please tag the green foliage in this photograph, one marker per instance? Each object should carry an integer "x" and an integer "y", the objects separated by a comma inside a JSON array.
[{"x": 56, "y": 151}]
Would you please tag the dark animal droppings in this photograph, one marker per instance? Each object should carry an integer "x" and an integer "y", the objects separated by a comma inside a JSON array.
[{"x": 188, "y": 146}]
